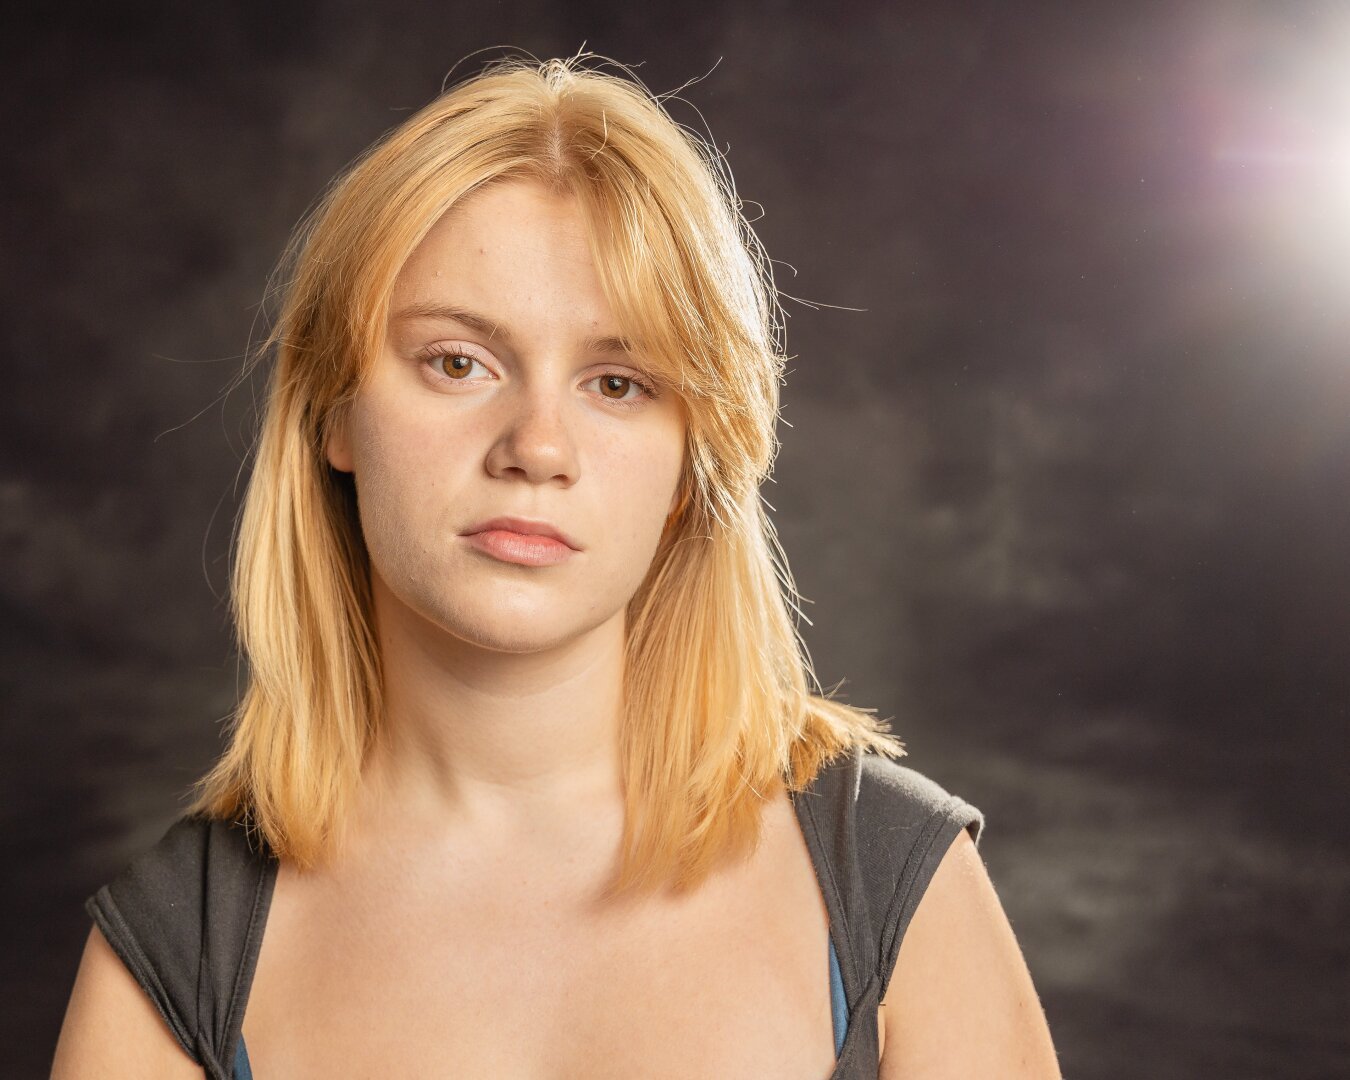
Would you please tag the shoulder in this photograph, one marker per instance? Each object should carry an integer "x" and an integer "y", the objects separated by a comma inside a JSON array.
[
  {"x": 959, "y": 1000},
  {"x": 112, "y": 1028},
  {"x": 185, "y": 917},
  {"x": 883, "y": 826},
  {"x": 199, "y": 869},
  {"x": 892, "y": 796},
  {"x": 871, "y": 792},
  {"x": 905, "y": 822}
]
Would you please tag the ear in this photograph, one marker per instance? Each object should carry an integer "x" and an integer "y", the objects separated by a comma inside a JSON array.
[{"x": 337, "y": 447}]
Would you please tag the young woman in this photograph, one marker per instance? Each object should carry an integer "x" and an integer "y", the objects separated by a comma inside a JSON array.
[{"x": 530, "y": 779}]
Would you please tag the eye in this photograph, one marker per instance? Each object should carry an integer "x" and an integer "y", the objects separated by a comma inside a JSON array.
[
  {"x": 615, "y": 386},
  {"x": 457, "y": 364},
  {"x": 454, "y": 363}
]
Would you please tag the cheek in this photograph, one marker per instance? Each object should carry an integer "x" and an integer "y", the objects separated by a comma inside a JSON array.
[
  {"x": 645, "y": 484},
  {"x": 399, "y": 444},
  {"x": 636, "y": 482},
  {"x": 401, "y": 474}
]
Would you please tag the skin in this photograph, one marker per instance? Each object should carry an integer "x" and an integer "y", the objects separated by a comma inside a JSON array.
[
  {"x": 961, "y": 1001},
  {"x": 460, "y": 921},
  {"x": 504, "y": 681}
]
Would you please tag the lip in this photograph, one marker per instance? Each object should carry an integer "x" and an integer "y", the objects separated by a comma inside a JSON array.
[
  {"x": 525, "y": 527},
  {"x": 522, "y": 541}
]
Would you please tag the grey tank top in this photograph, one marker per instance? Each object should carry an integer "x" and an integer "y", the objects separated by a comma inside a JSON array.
[{"x": 187, "y": 915}]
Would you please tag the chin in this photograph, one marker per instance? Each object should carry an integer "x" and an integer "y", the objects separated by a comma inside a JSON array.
[
  {"x": 518, "y": 645},
  {"x": 505, "y": 636},
  {"x": 503, "y": 620}
]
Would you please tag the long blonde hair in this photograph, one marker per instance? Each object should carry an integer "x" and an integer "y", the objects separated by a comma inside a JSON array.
[{"x": 722, "y": 708}]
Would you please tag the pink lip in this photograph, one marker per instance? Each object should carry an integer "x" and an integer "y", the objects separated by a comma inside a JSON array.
[{"x": 519, "y": 540}]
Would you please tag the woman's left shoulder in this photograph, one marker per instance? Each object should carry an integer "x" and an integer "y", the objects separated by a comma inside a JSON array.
[
  {"x": 892, "y": 795},
  {"x": 957, "y": 987}
]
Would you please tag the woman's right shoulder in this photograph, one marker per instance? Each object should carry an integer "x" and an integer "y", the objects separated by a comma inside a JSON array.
[
  {"x": 171, "y": 932},
  {"x": 112, "y": 1027}
]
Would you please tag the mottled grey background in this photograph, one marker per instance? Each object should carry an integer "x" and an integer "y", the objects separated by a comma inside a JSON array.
[{"x": 1068, "y": 493}]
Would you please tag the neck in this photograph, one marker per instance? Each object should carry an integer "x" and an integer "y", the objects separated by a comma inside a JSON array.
[{"x": 502, "y": 742}]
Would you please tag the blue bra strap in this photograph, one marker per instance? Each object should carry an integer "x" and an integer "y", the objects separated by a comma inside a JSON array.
[
  {"x": 838, "y": 1005},
  {"x": 242, "y": 1069}
]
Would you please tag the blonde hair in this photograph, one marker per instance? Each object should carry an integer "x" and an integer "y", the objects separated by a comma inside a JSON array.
[{"x": 722, "y": 708}]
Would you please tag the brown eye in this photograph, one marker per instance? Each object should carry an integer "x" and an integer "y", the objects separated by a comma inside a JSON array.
[
  {"x": 456, "y": 365},
  {"x": 607, "y": 384}
]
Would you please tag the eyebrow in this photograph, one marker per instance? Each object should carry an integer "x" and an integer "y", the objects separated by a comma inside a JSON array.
[{"x": 491, "y": 328}]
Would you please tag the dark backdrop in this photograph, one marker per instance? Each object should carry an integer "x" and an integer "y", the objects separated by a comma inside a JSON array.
[{"x": 1068, "y": 491}]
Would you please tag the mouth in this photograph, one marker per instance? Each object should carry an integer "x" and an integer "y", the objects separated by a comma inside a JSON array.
[{"x": 521, "y": 541}]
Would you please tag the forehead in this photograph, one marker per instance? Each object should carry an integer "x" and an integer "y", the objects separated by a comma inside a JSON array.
[
  {"x": 514, "y": 233},
  {"x": 511, "y": 262}
]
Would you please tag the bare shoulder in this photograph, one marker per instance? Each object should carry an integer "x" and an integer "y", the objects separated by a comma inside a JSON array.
[
  {"x": 111, "y": 1028},
  {"x": 960, "y": 1001}
]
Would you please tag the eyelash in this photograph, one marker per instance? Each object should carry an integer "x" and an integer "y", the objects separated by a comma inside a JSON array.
[{"x": 429, "y": 357}]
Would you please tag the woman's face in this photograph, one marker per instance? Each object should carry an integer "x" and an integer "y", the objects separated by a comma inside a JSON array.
[{"x": 520, "y": 408}]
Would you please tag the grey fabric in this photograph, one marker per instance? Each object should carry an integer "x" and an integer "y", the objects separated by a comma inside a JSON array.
[
  {"x": 876, "y": 831},
  {"x": 187, "y": 916}
]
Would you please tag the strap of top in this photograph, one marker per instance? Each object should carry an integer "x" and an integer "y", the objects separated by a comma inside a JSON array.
[
  {"x": 186, "y": 917},
  {"x": 876, "y": 831}
]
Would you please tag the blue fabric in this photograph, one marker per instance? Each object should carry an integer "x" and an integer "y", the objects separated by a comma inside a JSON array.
[
  {"x": 838, "y": 1005},
  {"x": 242, "y": 1069},
  {"x": 838, "y": 1010}
]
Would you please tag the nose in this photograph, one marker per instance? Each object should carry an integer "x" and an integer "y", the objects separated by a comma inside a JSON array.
[{"x": 535, "y": 440}]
